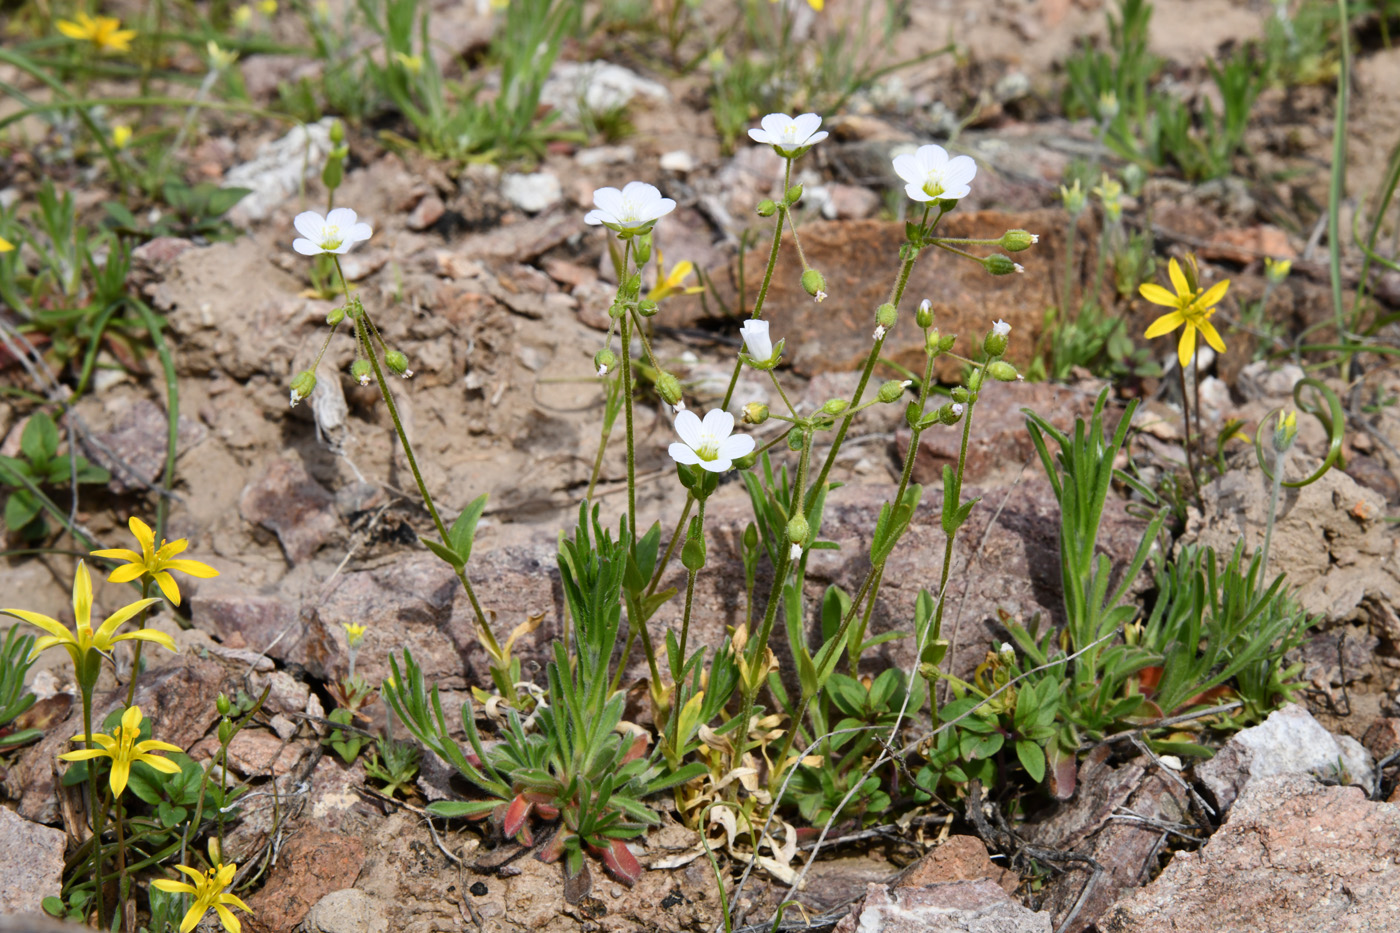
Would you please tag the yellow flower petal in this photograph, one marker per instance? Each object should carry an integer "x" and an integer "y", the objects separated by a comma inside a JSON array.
[
  {"x": 151, "y": 635},
  {"x": 167, "y": 586},
  {"x": 1187, "y": 348},
  {"x": 1178, "y": 278},
  {"x": 55, "y": 628},
  {"x": 192, "y": 917},
  {"x": 233, "y": 899},
  {"x": 170, "y": 548},
  {"x": 160, "y": 764},
  {"x": 103, "y": 636},
  {"x": 1212, "y": 297},
  {"x": 118, "y": 553},
  {"x": 172, "y": 887},
  {"x": 82, "y": 754},
  {"x": 5, "y": 245},
  {"x": 194, "y": 568},
  {"x": 1164, "y": 324},
  {"x": 144, "y": 535},
  {"x": 227, "y": 918},
  {"x": 1212, "y": 336},
  {"x": 82, "y": 596},
  {"x": 127, "y": 573},
  {"x": 121, "y": 772},
  {"x": 80, "y": 30},
  {"x": 1158, "y": 295},
  {"x": 131, "y": 719},
  {"x": 193, "y": 873}
]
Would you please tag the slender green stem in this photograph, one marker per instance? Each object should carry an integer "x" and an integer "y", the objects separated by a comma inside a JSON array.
[
  {"x": 1186, "y": 426},
  {"x": 1337, "y": 188},
  {"x": 85, "y": 688},
  {"x": 118, "y": 821},
  {"x": 783, "y": 395},
  {"x": 689, "y": 597},
  {"x": 671, "y": 546},
  {"x": 631, "y": 435},
  {"x": 136, "y": 655}
]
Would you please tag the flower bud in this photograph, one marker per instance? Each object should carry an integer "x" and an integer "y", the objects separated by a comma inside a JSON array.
[
  {"x": 353, "y": 309},
  {"x": 360, "y": 371},
  {"x": 886, "y": 315},
  {"x": 814, "y": 284},
  {"x": 755, "y": 413},
  {"x": 797, "y": 529},
  {"x": 647, "y": 308},
  {"x": 751, "y": 537},
  {"x": 892, "y": 391},
  {"x": 1276, "y": 270},
  {"x": 1285, "y": 431},
  {"x": 1108, "y": 106},
  {"x": 693, "y": 553},
  {"x": 223, "y": 704},
  {"x": 641, "y": 248},
  {"x": 924, "y": 316},
  {"x": 959, "y": 394},
  {"x": 397, "y": 363},
  {"x": 974, "y": 381},
  {"x": 951, "y": 412},
  {"x": 1003, "y": 371},
  {"x": 997, "y": 264},
  {"x": 1013, "y": 241},
  {"x": 795, "y": 440},
  {"x": 835, "y": 406},
  {"x": 933, "y": 342},
  {"x": 335, "y": 316},
  {"x": 669, "y": 388},
  {"x": 1073, "y": 198},
  {"x": 793, "y": 195},
  {"x": 303, "y": 384},
  {"x": 945, "y": 343},
  {"x": 616, "y": 310},
  {"x": 746, "y": 461},
  {"x": 604, "y": 360},
  {"x": 767, "y": 208},
  {"x": 995, "y": 342},
  {"x": 225, "y": 731},
  {"x": 337, "y": 132}
]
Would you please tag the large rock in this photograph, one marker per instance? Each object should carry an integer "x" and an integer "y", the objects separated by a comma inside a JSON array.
[
  {"x": 288, "y": 502},
  {"x": 945, "y": 907},
  {"x": 34, "y": 863},
  {"x": 1290, "y": 741},
  {"x": 1293, "y": 855},
  {"x": 312, "y": 864}
]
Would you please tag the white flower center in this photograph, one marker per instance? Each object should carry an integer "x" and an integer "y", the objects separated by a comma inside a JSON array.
[
  {"x": 331, "y": 237},
  {"x": 631, "y": 212},
  {"x": 789, "y": 136},
  {"x": 933, "y": 185}
]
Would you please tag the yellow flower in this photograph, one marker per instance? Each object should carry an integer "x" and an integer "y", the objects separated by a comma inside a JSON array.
[
  {"x": 83, "y": 639},
  {"x": 354, "y": 634},
  {"x": 219, "y": 59},
  {"x": 413, "y": 64},
  {"x": 121, "y": 746},
  {"x": 104, "y": 32},
  {"x": 672, "y": 282},
  {"x": 267, "y": 7},
  {"x": 121, "y": 135},
  {"x": 1192, "y": 307},
  {"x": 208, "y": 891},
  {"x": 1276, "y": 270},
  {"x": 154, "y": 562},
  {"x": 5, "y": 245},
  {"x": 243, "y": 16}
]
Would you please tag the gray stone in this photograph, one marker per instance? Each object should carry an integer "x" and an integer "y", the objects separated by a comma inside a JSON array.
[
  {"x": 597, "y": 86},
  {"x": 533, "y": 192},
  {"x": 1263, "y": 379},
  {"x": 38, "y": 872},
  {"x": 348, "y": 910},
  {"x": 278, "y": 170},
  {"x": 1290, "y": 741},
  {"x": 947, "y": 907}
]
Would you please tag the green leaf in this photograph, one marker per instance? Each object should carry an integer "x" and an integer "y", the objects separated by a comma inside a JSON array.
[
  {"x": 1032, "y": 759},
  {"x": 462, "y": 808},
  {"x": 447, "y": 554},
  {"x": 53, "y": 906},
  {"x": 21, "y": 509},
  {"x": 463, "y": 531},
  {"x": 40, "y": 438}
]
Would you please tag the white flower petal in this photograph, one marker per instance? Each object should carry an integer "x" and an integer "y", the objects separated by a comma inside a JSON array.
[
  {"x": 718, "y": 423},
  {"x": 760, "y": 137},
  {"x": 688, "y": 427},
  {"x": 594, "y": 218},
  {"x": 609, "y": 201},
  {"x": 906, "y": 166},
  {"x": 306, "y": 247},
  {"x": 359, "y": 232},
  {"x": 661, "y": 208},
  {"x": 683, "y": 454},
  {"x": 756, "y": 339},
  {"x": 916, "y": 192},
  {"x": 309, "y": 224},
  {"x": 342, "y": 217},
  {"x": 735, "y": 446},
  {"x": 956, "y": 192},
  {"x": 960, "y": 171},
  {"x": 641, "y": 194},
  {"x": 932, "y": 158},
  {"x": 807, "y": 124},
  {"x": 775, "y": 125},
  {"x": 817, "y": 137},
  {"x": 716, "y": 466}
]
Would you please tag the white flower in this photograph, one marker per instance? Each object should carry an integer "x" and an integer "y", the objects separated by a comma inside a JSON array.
[
  {"x": 709, "y": 444},
  {"x": 335, "y": 233},
  {"x": 795, "y": 552},
  {"x": 788, "y": 134},
  {"x": 756, "y": 340},
  {"x": 957, "y": 409},
  {"x": 296, "y": 397},
  {"x": 932, "y": 176},
  {"x": 879, "y": 331},
  {"x": 1001, "y": 328},
  {"x": 819, "y": 297},
  {"x": 364, "y": 379},
  {"x": 602, "y": 369},
  {"x": 679, "y": 406},
  {"x": 636, "y": 206}
]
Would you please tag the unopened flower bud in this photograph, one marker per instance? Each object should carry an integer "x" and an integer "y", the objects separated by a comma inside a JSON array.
[
  {"x": 945, "y": 342},
  {"x": 604, "y": 360},
  {"x": 397, "y": 363},
  {"x": 751, "y": 537},
  {"x": 924, "y": 316},
  {"x": 886, "y": 315},
  {"x": 795, "y": 439},
  {"x": 337, "y": 132},
  {"x": 641, "y": 248},
  {"x": 892, "y": 391},
  {"x": 223, "y": 704},
  {"x": 797, "y": 529},
  {"x": 1108, "y": 106},
  {"x": 793, "y": 195},
  {"x": 353, "y": 308},
  {"x": 335, "y": 316},
  {"x": 225, "y": 731},
  {"x": 997, "y": 264},
  {"x": 933, "y": 342},
  {"x": 835, "y": 406},
  {"x": 1276, "y": 270},
  {"x": 647, "y": 308},
  {"x": 995, "y": 342},
  {"x": 746, "y": 461},
  {"x": 669, "y": 388},
  {"x": 814, "y": 284},
  {"x": 1003, "y": 371},
  {"x": 1285, "y": 431},
  {"x": 360, "y": 371},
  {"x": 974, "y": 381},
  {"x": 303, "y": 384},
  {"x": 959, "y": 394},
  {"x": 1016, "y": 240},
  {"x": 767, "y": 208},
  {"x": 951, "y": 412},
  {"x": 755, "y": 413},
  {"x": 1073, "y": 198}
]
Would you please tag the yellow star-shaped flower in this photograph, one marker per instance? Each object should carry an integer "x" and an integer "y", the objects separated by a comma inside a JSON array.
[
  {"x": 208, "y": 891},
  {"x": 155, "y": 562},
  {"x": 5, "y": 245},
  {"x": 673, "y": 282},
  {"x": 121, "y": 746},
  {"x": 1192, "y": 307},
  {"x": 104, "y": 32},
  {"x": 83, "y": 639}
]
